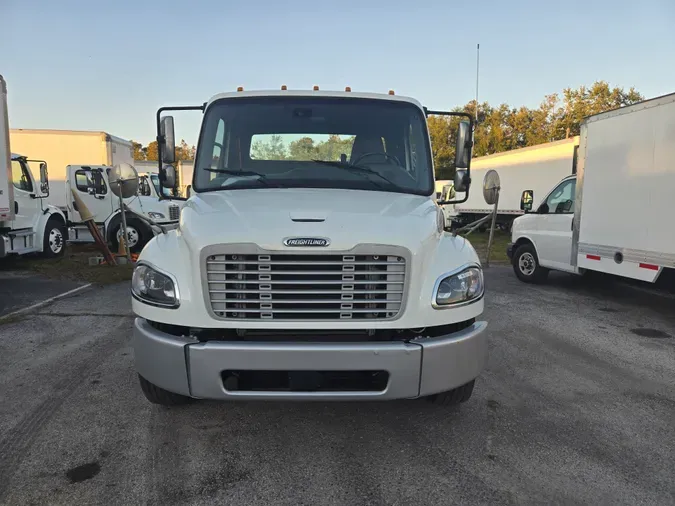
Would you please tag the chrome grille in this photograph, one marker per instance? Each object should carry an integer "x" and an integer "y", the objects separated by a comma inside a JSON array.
[
  {"x": 289, "y": 286},
  {"x": 174, "y": 212}
]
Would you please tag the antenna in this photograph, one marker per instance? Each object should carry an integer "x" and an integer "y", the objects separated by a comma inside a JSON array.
[{"x": 477, "y": 68}]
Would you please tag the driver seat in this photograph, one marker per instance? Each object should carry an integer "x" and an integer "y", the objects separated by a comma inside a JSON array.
[{"x": 363, "y": 145}]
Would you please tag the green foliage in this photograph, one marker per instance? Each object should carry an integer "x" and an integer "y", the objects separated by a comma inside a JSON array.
[
  {"x": 149, "y": 152},
  {"x": 301, "y": 149},
  {"x": 504, "y": 128}
]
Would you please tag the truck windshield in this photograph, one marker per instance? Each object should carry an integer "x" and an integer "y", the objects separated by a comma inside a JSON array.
[{"x": 314, "y": 142}]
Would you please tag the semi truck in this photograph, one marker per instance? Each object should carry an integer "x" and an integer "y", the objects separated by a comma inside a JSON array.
[
  {"x": 28, "y": 224},
  {"x": 303, "y": 273},
  {"x": 614, "y": 215},
  {"x": 535, "y": 167}
]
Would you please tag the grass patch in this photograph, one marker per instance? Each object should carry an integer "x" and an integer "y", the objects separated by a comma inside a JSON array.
[
  {"x": 73, "y": 266},
  {"x": 479, "y": 241}
]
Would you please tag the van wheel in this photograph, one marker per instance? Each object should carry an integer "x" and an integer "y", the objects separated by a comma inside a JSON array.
[
  {"x": 526, "y": 265},
  {"x": 160, "y": 396},
  {"x": 54, "y": 241},
  {"x": 453, "y": 397}
]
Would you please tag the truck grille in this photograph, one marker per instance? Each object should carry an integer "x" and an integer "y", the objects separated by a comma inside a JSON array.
[
  {"x": 174, "y": 212},
  {"x": 287, "y": 286}
]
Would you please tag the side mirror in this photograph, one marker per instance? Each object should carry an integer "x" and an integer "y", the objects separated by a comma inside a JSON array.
[
  {"x": 462, "y": 180},
  {"x": 168, "y": 176},
  {"x": 526, "y": 200},
  {"x": 463, "y": 146},
  {"x": 44, "y": 179},
  {"x": 168, "y": 147}
]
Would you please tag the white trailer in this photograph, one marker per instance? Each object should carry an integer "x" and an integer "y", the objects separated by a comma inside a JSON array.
[
  {"x": 27, "y": 223},
  {"x": 614, "y": 216},
  {"x": 535, "y": 167}
]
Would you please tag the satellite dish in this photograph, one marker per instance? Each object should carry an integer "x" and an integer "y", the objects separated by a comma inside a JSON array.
[
  {"x": 490, "y": 186},
  {"x": 123, "y": 179}
]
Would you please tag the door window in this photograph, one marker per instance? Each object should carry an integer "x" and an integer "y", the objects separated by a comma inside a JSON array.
[
  {"x": 20, "y": 177},
  {"x": 561, "y": 200},
  {"x": 90, "y": 182}
]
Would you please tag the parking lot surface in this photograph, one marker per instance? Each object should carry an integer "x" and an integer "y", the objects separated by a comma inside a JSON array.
[
  {"x": 576, "y": 406},
  {"x": 22, "y": 289}
]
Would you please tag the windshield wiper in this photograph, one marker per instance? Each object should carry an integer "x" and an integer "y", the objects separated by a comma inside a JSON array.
[
  {"x": 243, "y": 173},
  {"x": 357, "y": 169}
]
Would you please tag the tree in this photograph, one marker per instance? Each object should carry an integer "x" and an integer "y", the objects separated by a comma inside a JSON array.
[
  {"x": 151, "y": 152},
  {"x": 138, "y": 152}
]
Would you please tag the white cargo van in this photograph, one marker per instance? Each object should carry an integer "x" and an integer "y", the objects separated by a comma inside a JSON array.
[
  {"x": 614, "y": 216},
  {"x": 311, "y": 261}
]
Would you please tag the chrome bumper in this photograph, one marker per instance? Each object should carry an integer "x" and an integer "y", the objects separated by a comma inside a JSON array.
[{"x": 417, "y": 368}]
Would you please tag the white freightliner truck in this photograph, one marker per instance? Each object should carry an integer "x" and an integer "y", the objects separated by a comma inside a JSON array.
[
  {"x": 92, "y": 184},
  {"x": 27, "y": 223},
  {"x": 615, "y": 214},
  {"x": 311, "y": 261}
]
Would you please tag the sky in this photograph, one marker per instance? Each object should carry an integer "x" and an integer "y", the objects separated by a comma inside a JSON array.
[{"x": 109, "y": 65}]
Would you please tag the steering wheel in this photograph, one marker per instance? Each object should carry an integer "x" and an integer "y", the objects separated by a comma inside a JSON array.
[{"x": 377, "y": 153}]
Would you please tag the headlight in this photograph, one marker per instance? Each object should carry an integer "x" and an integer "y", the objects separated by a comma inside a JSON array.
[
  {"x": 153, "y": 287},
  {"x": 156, "y": 216},
  {"x": 465, "y": 286}
]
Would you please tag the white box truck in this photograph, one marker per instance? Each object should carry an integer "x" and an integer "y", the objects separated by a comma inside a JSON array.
[
  {"x": 535, "y": 167},
  {"x": 615, "y": 215},
  {"x": 311, "y": 261},
  {"x": 28, "y": 224},
  {"x": 60, "y": 148}
]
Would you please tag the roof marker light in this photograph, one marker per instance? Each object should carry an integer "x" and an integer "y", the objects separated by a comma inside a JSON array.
[
  {"x": 391, "y": 92},
  {"x": 316, "y": 88},
  {"x": 347, "y": 88},
  {"x": 283, "y": 87},
  {"x": 240, "y": 88}
]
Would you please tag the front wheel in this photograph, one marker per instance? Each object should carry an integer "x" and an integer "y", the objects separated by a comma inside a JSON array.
[
  {"x": 54, "y": 241},
  {"x": 526, "y": 265},
  {"x": 158, "y": 395},
  {"x": 453, "y": 397},
  {"x": 137, "y": 235}
]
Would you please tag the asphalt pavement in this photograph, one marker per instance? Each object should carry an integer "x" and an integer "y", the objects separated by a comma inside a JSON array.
[
  {"x": 23, "y": 289},
  {"x": 576, "y": 406}
]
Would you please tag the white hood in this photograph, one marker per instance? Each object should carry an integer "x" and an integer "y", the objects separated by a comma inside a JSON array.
[{"x": 346, "y": 217}]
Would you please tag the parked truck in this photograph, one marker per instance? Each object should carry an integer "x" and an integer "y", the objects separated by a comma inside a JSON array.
[
  {"x": 304, "y": 273},
  {"x": 28, "y": 224},
  {"x": 536, "y": 167},
  {"x": 614, "y": 215},
  {"x": 92, "y": 184}
]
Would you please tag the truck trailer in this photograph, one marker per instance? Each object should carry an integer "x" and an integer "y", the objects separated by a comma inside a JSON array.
[
  {"x": 310, "y": 274},
  {"x": 615, "y": 214},
  {"x": 535, "y": 167}
]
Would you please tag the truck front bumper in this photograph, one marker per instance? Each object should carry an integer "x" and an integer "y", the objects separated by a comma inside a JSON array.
[{"x": 417, "y": 368}]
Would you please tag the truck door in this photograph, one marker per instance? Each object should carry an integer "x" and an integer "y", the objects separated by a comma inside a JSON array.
[
  {"x": 553, "y": 236},
  {"x": 91, "y": 186},
  {"x": 26, "y": 207}
]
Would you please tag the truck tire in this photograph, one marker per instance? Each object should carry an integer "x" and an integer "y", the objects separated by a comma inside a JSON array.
[
  {"x": 160, "y": 396},
  {"x": 137, "y": 232},
  {"x": 54, "y": 241},
  {"x": 453, "y": 397},
  {"x": 526, "y": 265}
]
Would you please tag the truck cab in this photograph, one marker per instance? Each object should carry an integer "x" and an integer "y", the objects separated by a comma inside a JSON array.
[
  {"x": 311, "y": 260},
  {"x": 32, "y": 225},
  {"x": 91, "y": 182}
]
